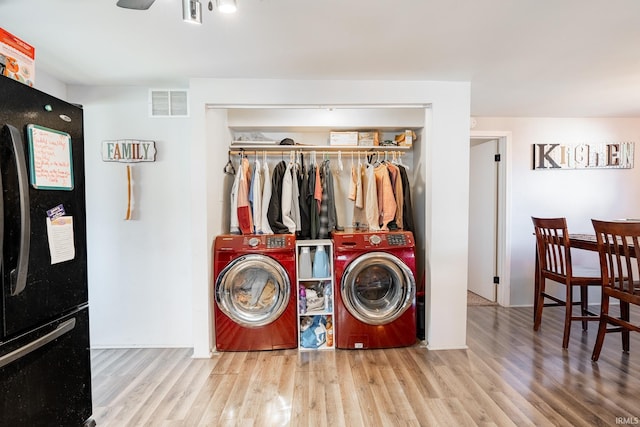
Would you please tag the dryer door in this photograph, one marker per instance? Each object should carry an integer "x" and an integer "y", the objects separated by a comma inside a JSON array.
[
  {"x": 377, "y": 288},
  {"x": 253, "y": 290}
]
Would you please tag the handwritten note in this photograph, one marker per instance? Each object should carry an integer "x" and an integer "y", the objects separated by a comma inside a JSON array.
[
  {"x": 60, "y": 236},
  {"x": 50, "y": 158}
]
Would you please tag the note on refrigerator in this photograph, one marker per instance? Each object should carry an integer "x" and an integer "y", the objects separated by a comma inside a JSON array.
[{"x": 60, "y": 235}]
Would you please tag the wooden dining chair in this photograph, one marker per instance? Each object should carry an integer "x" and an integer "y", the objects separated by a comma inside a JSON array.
[
  {"x": 619, "y": 262},
  {"x": 553, "y": 262}
]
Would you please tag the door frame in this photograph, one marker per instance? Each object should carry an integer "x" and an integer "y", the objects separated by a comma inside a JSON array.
[{"x": 504, "y": 210}]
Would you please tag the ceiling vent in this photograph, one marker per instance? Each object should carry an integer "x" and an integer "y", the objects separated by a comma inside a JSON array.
[{"x": 168, "y": 103}]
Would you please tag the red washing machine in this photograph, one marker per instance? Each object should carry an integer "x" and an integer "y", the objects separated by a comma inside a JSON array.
[
  {"x": 255, "y": 305},
  {"x": 375, "y": 305}
]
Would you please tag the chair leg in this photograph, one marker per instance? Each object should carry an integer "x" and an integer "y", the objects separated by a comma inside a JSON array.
[
  {"x": 584, "y": 306},
  {"x": 602, "y": 328},
  {"x": 624, "y": 315},
  {"x": 567, "y": 316},
  {"x": 539, "y": 305}
]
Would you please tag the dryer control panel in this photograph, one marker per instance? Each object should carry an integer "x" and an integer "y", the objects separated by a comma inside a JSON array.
[
  {"x": 373, "y": 240},
  {"x": 255, "y": 243}
]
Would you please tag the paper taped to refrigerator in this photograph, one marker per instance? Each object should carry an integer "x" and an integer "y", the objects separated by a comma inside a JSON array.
[{"x": 60, "y": 235}]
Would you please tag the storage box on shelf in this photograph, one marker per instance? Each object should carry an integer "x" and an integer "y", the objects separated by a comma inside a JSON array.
[
  {"x": 313, "y": 139},
  {"x": 315, "y": 288}
]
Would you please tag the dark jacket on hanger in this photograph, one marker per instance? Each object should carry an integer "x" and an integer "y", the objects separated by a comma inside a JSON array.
[
  {"x": 274, "y": 212},
  {"x": 314, "y": 212},
  {"x": 407, "y": 211},
  {"x": 305, "y": 208}
]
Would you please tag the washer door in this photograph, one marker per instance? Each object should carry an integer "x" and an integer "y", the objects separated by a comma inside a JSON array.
[
  {"x": 253, "y": 290},
  {"x": 377, "y": 288}
]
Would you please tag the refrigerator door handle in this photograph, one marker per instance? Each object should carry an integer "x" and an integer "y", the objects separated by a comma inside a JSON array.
[
  {"x": 34, "y": 345},
  {"x": 19, "y": 274}
]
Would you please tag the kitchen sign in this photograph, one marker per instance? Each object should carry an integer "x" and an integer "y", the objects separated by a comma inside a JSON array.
[
  {"x": 617, "y": 155},
  {"x": 128, "y": 151}
]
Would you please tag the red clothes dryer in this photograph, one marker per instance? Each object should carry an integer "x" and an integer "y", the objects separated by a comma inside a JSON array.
[
  {"x": 255, "y": 306},
  {"x": 375, "y": 305}
]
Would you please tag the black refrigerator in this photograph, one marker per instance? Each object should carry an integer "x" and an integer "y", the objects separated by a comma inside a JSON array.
[{"x": 45, "y": 365}]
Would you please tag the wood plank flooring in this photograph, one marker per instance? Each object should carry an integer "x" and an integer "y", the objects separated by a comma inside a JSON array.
[{"x": 509, "y": 376}]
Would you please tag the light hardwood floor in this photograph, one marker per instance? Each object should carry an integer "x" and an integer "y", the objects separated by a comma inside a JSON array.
[{"x": 509, "y": 376}]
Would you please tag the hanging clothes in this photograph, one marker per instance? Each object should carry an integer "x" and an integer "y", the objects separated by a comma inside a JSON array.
[
  {"x": 264, "y": 227},
  {"x": 305, "y": 207},
  {"x": 359, "y": 214},
  {"x": 314, "y": 208},
  {"x": 234, "y": 226},
  {"x": 295, "y": 199},
  {"x": 338, "y": 198},
  {"x": 245, "y": 220},
  {"x": 274, "y": 212},
  {"x": 323, "y": 230},
  {"x": 289, "y": 204},
  {"x": 371, "y": 199},
  {"x": 329, "y": 188},
  {"x": 386, "y": 200},
  {"x": 255, "y": 197},
  {"x": 396, "y": 185},
  {"x": 353, "y": 183},
  {"x": 407, "y": 209}
]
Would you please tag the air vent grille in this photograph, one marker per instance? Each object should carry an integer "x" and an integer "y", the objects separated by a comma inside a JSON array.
[{"x": 168, "y": 103}]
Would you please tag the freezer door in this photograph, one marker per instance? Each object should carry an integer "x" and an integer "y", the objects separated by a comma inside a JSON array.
[
  {"x": 35, "y": 290},
  {"x": 45, "y": 375}
]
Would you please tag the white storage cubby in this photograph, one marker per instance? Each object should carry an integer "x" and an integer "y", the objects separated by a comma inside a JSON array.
[{"x": 315, "y": 289}]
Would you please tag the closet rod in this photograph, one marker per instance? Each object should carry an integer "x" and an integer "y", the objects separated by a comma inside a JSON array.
[
  {"x": 318, "y": 148},
  {"x": 328, "y": 152}
]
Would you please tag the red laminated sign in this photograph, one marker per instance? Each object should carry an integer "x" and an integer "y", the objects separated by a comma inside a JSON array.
[{"x": 17, "y": 58}]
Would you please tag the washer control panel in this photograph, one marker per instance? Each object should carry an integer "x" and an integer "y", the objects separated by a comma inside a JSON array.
[
  {"x": 373, "y": 240},
  {"x": 276, "y": 242},
  {"x": 394, "y": 239}
]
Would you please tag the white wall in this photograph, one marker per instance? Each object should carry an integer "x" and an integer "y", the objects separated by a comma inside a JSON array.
[
  {"x": 578, "y": 195},
  {"x": 150, "y": 279},
  {"x": 47, "y": 84},
  {"x": 444, "y": 159},
  {"x": 139, "y": 271}
]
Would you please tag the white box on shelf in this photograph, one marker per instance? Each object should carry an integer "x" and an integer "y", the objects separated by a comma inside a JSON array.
[{"x": 343, "y": 138}]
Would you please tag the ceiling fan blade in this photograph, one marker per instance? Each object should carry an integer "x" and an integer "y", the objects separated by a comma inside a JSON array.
[{"x": 135, "y": 4}]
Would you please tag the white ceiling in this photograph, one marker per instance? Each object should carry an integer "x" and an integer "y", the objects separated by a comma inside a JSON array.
[{"x": 543, "y": 58}]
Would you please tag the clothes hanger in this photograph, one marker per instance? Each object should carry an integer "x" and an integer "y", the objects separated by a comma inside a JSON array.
[{"x": 228, "y": 168}]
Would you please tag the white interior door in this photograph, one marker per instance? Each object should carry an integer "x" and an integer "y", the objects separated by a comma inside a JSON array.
[{"x": 483, "y": 214}]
